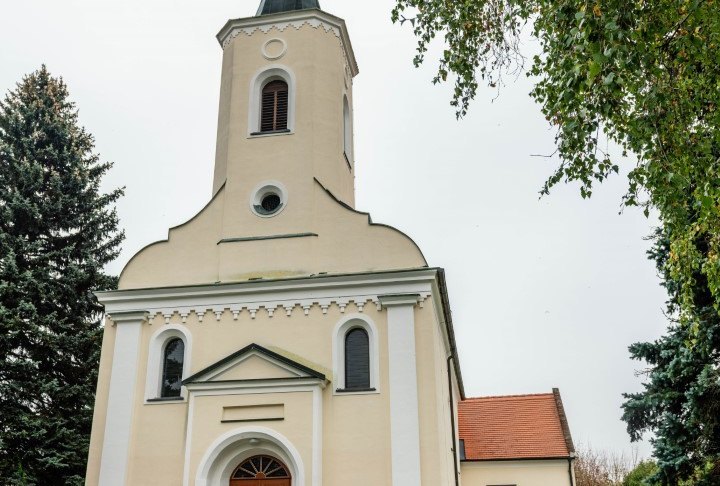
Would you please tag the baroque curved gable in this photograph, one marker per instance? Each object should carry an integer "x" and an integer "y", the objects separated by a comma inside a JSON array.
[{"x": 338, "y": 239}]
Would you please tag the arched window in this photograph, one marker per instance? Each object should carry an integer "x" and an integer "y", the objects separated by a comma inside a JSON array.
[
  {"x": 356, "y": 363},
  {"x": 347, "y": 130},
  {"x": 357, "y": 359},
  {"x": 172, "y": 371},
  {"x": 274, "y": 107},
  {"x": 259, "y": 468}
]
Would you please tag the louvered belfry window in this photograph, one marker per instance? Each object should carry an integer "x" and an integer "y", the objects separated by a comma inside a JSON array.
[
  {"x": 357, "y": 359},
  {"x": 274, "y": 109}
]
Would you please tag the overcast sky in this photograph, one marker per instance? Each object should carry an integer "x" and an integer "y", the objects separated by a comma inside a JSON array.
[{"x": 545, "y": 293}]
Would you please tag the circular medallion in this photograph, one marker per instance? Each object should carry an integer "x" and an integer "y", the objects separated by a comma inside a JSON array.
[{"x": 274, "y": 49}]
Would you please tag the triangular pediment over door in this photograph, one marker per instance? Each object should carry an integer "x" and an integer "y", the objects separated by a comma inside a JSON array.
[{"x": 255, "y": 364}]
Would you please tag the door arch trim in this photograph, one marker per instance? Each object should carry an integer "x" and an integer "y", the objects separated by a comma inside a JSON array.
[{"x": 235, "y": 446}]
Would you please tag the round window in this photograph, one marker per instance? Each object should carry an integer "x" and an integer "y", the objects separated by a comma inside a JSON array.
[
  {"x": 269, "y": 199},
  {"x": 270, "y": 203}
]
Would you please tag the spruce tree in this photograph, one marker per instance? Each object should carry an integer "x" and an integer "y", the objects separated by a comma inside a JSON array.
[
  {"x": 680, "y": 402},
  {"x": 57, "y": 233}
]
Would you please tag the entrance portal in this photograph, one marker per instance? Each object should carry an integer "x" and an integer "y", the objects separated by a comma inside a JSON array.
[{"x": 261, "y": 471}]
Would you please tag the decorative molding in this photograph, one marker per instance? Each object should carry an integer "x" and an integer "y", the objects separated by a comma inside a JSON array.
[
  {"x": 268, "y": 45},
  {"x": 296, "y": 19},
  {"x": 216, "y": 459},
  {"x": 240, "y": 387},
  {"x": 271, "y": 308},
  {"x": 264, "y": 238},
  {"x": 280, "y": 27},
  {"x": 127, "y": 316},
  {"x": 401, "y": 299},
  {"x": 291, "y": 297},
  {"x": 295, "y": 369}
]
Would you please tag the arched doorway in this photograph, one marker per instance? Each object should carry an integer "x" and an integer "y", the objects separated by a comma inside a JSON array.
[{"x": 261, "y": 471}]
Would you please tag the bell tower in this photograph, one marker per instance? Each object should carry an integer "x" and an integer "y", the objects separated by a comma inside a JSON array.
[
  {"x": 285, "y": 117},
  {"x": 283, "y": 200}
]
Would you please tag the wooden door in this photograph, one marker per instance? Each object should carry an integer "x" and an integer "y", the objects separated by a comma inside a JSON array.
[{"x": 261, "y": 471}]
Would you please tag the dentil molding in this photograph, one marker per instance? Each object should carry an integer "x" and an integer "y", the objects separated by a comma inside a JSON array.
[
  {"x": 280, "y": 27},
  {"x": 290, "y": 297},
  {"x": 271, "y": 308},
  {"x": 315, "y": 19}
]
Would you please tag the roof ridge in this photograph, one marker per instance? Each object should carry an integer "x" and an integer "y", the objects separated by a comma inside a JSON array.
[
  {"x": 505, "y": 397},
  {"x": 563, "y": 421}
]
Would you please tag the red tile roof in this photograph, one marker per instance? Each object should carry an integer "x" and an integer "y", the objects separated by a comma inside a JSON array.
[{"x": 514, "y": 427}]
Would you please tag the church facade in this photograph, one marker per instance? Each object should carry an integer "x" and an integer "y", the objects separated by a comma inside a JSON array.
[{"x": 281, "y": 337}]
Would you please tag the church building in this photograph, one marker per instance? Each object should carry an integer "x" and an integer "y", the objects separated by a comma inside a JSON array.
[{"x": 281, "y": 337}]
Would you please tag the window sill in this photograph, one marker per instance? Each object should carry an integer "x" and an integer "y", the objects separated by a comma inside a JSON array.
[
  {"x": 355, "y": 391},
  {"x": 156, "y": 401},
  {"x": 270, "y": 134}
]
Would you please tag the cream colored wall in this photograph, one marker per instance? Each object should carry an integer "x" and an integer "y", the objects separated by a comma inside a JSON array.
[
  {"x": 157, "y": 444},
  {"x": 346, "y": 242},
  {"x": 315, "y": 148},
  {"x": 519, "y": 473},
  {"x": 207, "y": 426},
  {"x": 356, "y": 431},
  {"x": 253, "y": 368},
  {"x": 354, "y": 426}
]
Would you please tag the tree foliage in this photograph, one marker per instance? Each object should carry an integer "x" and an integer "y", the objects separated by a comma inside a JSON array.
[
  {"x": 641, "y": 475},
  {"x": 57, "y": 232},
  {"x": 681, "y": 398},
  {"x": 645, "y": 76}
]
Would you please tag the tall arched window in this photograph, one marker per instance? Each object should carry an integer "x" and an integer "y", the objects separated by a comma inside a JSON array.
[
  {"x": 274, "y": 107},
  {"x": 172, "y": 372},
  {"x": 357, "y": 359},
  {"x": 347, "y": 130}
]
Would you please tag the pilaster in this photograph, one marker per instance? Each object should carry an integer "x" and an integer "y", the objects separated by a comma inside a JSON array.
[
  {"x": 118, "y": 424},
  {"x": 404, "y": 413}
]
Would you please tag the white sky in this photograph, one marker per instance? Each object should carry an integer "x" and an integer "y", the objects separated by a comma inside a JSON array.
[{"x": 544, "y": 292}]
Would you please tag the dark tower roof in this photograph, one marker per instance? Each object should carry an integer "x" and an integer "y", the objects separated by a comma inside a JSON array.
[{"x": 277, "y": 6}]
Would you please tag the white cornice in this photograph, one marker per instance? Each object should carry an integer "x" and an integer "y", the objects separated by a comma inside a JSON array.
[
  {"x": 399, "y": 299},
  {"x": 297, "y": 19},
  {"x": 291, "y": 296},
  {"x": 255, "y": 386},
  {"x": 129, "y": 316}
]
